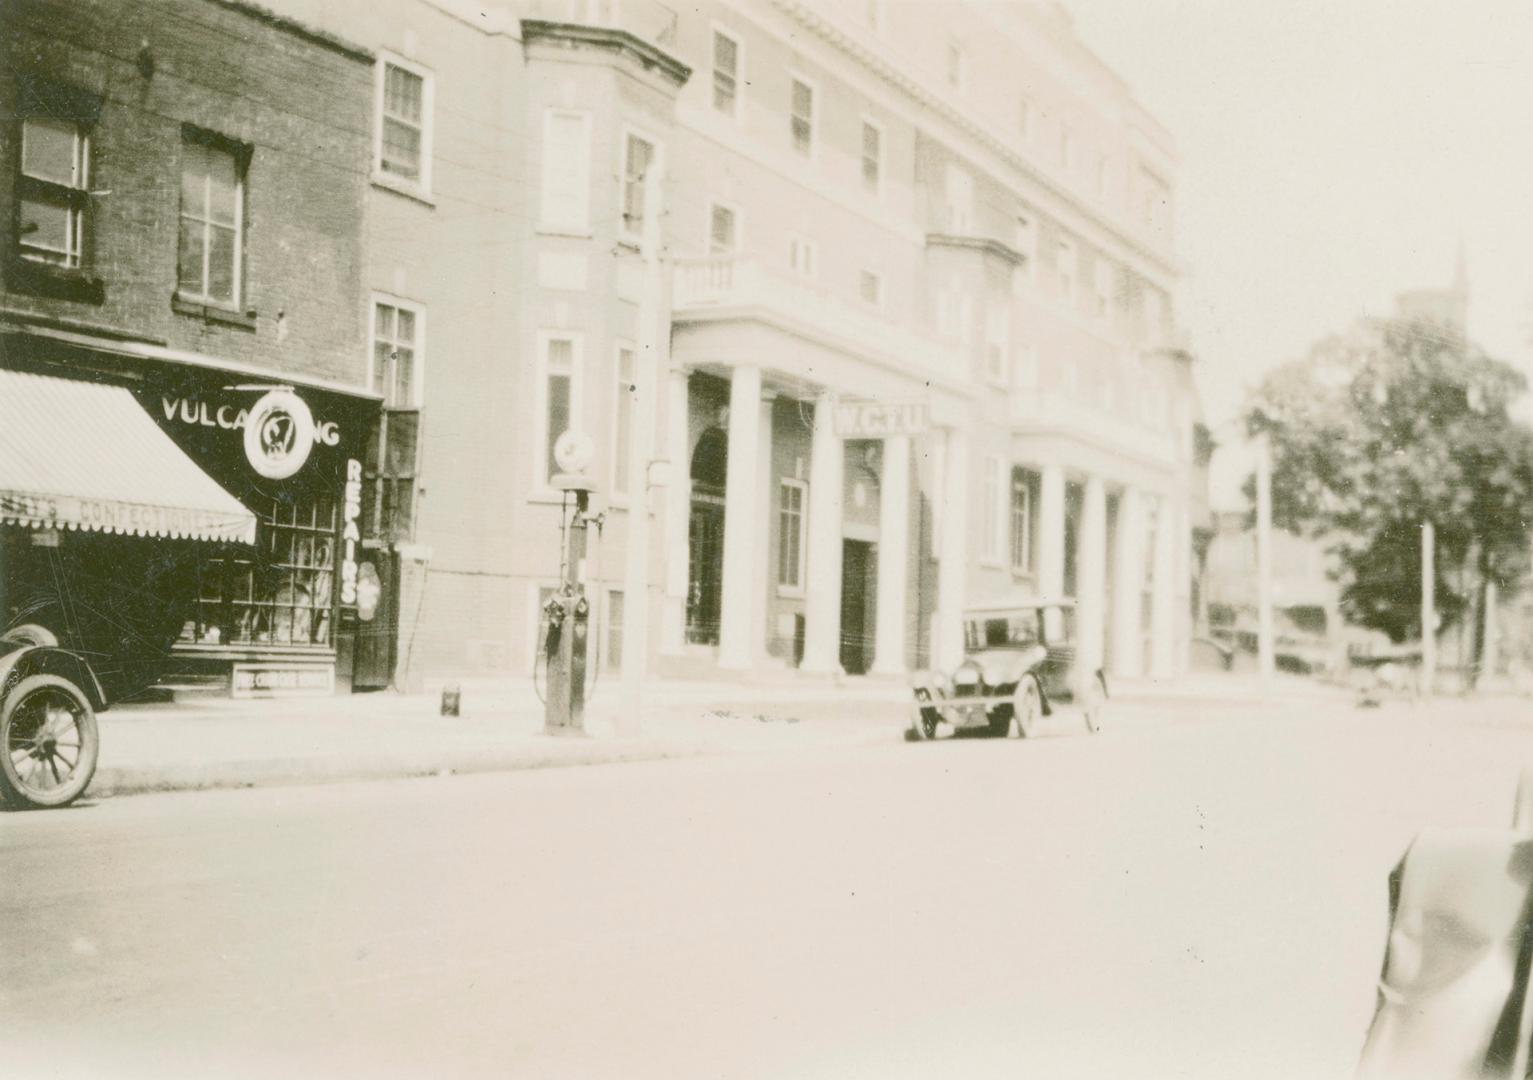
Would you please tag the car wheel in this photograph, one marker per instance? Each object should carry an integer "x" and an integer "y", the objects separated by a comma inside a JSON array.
[
  {"x": 1095, "y": 703},
  {"x": 1027, "y": 706},
  {"x": 923, "y": 724},
  {"x": 48, "y": 743}
]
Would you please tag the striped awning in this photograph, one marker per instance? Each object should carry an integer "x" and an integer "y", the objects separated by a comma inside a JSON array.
[{"x": 79, "y": 455}]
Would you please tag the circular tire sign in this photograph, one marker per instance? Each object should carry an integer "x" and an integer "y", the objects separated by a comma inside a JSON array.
[{"x": 279, "y": 433}]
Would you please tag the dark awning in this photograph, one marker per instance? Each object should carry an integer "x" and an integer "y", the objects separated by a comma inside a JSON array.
[{"x": 80, "y": 455}]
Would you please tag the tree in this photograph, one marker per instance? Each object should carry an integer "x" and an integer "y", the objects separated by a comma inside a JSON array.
[{"x": 1387, "y": 426}]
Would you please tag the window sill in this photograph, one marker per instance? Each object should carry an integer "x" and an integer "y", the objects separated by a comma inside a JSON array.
[
  {"x": 213, "y": 313},
  {"x": 789, "y": 592},
  {"x": 397, "y": 186},
  {"x": 59, "y": 282}
]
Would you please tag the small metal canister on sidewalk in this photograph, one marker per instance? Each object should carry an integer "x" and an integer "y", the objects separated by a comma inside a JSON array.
[{"x": 451, "y": 695}]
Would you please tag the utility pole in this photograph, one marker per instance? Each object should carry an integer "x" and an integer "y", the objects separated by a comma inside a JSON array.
[
  {"x": 1428, "y": 609},
  {"x": 640, "y": 447},
  {"x": 1266, "y": 653}
]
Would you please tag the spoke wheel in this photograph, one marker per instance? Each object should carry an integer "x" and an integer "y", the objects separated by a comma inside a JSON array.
[
  {"x": 1027, "y": 707},
  {"x": 48, "y": 743}
]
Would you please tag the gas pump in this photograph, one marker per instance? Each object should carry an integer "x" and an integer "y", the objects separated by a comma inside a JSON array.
[{"x": 566, "y": 616}]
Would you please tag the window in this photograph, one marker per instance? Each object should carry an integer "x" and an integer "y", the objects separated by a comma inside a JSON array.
[
  {"x": 52, "y": 201},
  {"x": 1064, "y": 262},
  {"x": 723, "y": 230},
  {"x": 561, "y": 397},
  {"x": 992, "y": 511},
  {"x": 1021, "y": 521},
  {"x": 870, "y": 287},
  {"x": 398, "y": 332},
  {"x": 1102, "y": 291},
  {"x": 622, "y": 418},
  {"x": 638, "y": 155},
  {"x": 404, "y": 123},
  {"x": 997, "y": 345},
  {"x": 960, "y": 200},
  {"x": 957, "y": 66},
  {"x": 212, "y": 222},
  {"x": 614, "y": 658},
  {"x": 726, "y": 74},
  {"x": 566, "y": 170},
  {"x": 281, "y": 595},
  {"x": 801, "y": 118},
  {"x": 872, "y": 157},
  {"x": 791, "y": 548},
  {"x": 803, "y": 255}
]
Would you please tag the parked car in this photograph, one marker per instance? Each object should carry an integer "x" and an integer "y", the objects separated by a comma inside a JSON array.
[
  {"x": 1020, "y": 663},
  {"x": 49, "y": 697}
]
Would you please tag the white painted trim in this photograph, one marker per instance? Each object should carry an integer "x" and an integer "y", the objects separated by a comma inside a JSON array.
[
  {"x": 741, "y": 80},
  {"x": 795, "y": 76},
  {"x": 540, "y": 488},
  {"x": 421, "y": 188},
  {"x": 793, "y": 591},
  {"x": 656, "y": 162},
  {"x": 739, "y": 214},
  {"x": 883, "y": 159},
  {"x": 418, "y": 391}
]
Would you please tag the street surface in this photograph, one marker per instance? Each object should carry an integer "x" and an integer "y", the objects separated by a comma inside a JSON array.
[{"x": 1182, "y": 896}]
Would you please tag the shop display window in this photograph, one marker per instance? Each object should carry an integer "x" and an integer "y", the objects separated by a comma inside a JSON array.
[{"x": 280, "y": 594}]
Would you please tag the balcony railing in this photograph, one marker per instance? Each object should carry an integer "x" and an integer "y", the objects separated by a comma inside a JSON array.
[
  {"x": 721, "y": 283},
  {"x": 647, "y": 20},
  {"x": 1049, "y": 410}
]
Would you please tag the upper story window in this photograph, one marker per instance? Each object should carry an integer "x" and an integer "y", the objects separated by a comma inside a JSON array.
[
  {"x": 404, "y": 124},
  {"x": 1064, "y": 263},
  {"x": 52, "y": 201},
  {"x": 638, "y": 157},
  {"x": 559, "y": 355},
  {"x": 803, "y": 255},
  {"x": 959, "y": 189},
  {"x": 998, "y": 345},
  {"x": 566, "y": 171},
  {"x": 802, "y": 115},
  {"x": 723, "y": 230},
  {"x": 957, "y": 67},
  {"x": 870, "y": 286},
  {"x": 1021, "y": 521},
  {"x": 872, "y": 157},
  {"x": 726, "y": 73},
  {"x": 210, "y": 252},
  {"x": 398, "y": 333}
]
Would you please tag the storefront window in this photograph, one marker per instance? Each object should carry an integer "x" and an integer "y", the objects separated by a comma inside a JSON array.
[{"x": 282, "y": 594}]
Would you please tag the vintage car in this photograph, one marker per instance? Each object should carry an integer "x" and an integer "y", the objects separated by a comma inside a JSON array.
[
  {"x": 49, "y": 698},
  {"x": 1019, "y": 664}
]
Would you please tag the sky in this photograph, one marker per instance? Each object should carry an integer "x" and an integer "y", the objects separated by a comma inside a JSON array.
[{"x": 1334, "y": 153}]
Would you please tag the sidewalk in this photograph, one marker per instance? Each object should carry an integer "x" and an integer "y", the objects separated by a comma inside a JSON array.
[{"x": 228, "y": 743}]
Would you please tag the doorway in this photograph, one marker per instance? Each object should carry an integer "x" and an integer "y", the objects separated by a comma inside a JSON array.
[
  {"x": 858, "y": 594},
  {"x": 705, "y": 571}
]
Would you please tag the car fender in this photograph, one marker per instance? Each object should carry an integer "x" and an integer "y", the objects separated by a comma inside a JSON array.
[{"x": 51, "y": 660}]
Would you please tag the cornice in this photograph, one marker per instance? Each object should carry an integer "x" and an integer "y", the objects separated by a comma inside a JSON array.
[
  {"x": 827, "y": 29},
  {"x": 983, "y": 244},
  {"x": 607, "y": 39}
]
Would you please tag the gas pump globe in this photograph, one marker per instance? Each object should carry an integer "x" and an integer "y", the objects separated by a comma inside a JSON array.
[{"x": 566, "y": 616}]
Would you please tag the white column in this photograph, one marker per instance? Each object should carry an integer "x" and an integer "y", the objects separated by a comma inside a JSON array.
[
  {"x": 1092, "y": 582},
  {"x": 1128, "y": 582},
  {"x": 761, "y": 583},
  {"x": 952, "y": 567},
  {"x": 742, "y": 520},
  {"x": 893, "y": 556},
  {"x": 1051, "y": 531},
  {"x": 678, "y": 514},
  {"x": 1163, "y": 622},
  {"x": 822, "y": 599}
]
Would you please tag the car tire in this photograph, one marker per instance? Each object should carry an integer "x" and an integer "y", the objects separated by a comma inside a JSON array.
[
  {"x": 46, "y": 724},
  {"x": 924, "y": 720},
  {"x": 1095, "y": 703},
  {"x": 1027, "y": 706}
]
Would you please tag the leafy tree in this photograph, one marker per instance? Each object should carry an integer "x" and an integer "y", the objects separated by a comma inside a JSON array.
[{"x": 1387, "y": 426}]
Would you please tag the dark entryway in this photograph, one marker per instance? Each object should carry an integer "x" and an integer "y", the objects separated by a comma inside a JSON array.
[
  {"x": 705, "y": 537},
  {"x": 377, "y": 621},
  {"x": 858, "y": 592}
]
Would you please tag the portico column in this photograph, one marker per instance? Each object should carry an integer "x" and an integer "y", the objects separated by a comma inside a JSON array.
[
  {"x": 952, "y": 567},
  {"x": 1163, "y": 622},
  {"x": 1092, "y": 584},
  {"x": 893, "y": 556},
  {"x": 761, "y": 582},
  {"x": 822, "y": 596},
  {"x": 742, "y": 520},
  {"x": 1051, "y": 531},
  {"x": 678, "y": 513},
  {"x": 1128, "y": 582}
]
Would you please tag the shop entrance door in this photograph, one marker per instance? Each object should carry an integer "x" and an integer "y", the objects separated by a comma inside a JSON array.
[
  {"x": 705, "y": 572},
  {"x": 377, "y": 604},
  {"x": 857, "y": 567}
]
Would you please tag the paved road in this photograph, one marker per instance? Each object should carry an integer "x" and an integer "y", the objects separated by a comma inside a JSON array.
[{"x": 1203, "y": 897}]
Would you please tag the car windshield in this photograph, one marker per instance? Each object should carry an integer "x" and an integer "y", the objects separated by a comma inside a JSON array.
[{"x": 1011, "y": 630}]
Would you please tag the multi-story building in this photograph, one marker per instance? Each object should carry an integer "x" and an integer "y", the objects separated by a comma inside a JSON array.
[{"x": 181, "y": 201}]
